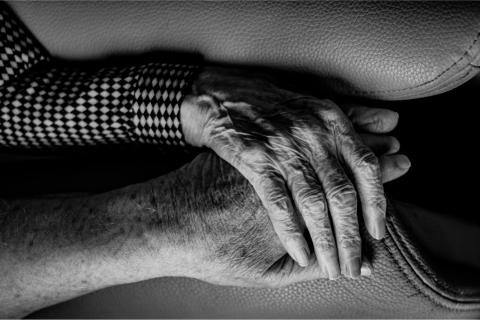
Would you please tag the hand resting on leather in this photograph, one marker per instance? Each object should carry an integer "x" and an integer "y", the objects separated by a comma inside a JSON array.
[
  {"x": 298, "y": 152},
  {"x": 203, "y": 221}
]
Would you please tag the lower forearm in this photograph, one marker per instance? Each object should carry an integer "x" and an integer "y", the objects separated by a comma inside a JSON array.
[
  {"x": 30, "y": 282},
  {"x": 202, "y": 221},
  {"x": 56, "y": 249}
]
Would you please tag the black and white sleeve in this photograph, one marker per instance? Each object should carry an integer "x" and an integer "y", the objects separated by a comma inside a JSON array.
[{"x": 45, "y": 105}]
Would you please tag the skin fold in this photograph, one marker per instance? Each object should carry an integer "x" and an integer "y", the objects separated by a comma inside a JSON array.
[{"x": 297, "y": 152}]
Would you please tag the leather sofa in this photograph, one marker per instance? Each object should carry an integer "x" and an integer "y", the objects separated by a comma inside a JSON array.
[{"x": 343, "y": 51}]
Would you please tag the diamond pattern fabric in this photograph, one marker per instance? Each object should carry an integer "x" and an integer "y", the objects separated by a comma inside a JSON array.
[
  {"x": 157, "y": 100},
  {"x": 49, "y": 106},
  {"x": 18, "y": 52}
]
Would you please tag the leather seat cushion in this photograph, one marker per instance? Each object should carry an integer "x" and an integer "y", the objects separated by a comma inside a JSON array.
[{"x": 390, "y": 50}]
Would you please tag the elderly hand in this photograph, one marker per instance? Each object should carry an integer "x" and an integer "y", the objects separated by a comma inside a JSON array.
[
  {"x": 293, "y": 149},
  {"x": 223, "y": 233}
]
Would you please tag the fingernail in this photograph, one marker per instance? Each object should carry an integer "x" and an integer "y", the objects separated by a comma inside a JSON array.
[
  {"x": 366, "y": 271},
  {"x": 333, "y": 273},
  {"x": 353, "y": 267},
  {"x": 301, "y": 256},
  {"x": 378, "y": 229},
  {"x": 398, "y": 116}
]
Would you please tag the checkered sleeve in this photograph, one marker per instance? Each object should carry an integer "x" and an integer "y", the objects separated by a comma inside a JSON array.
[{"x": 48, "y": 106}]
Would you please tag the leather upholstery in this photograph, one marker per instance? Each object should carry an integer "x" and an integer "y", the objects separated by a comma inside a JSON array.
[
  {"x": 394, "y": 50},
  {"x": 403, "y": 286}
]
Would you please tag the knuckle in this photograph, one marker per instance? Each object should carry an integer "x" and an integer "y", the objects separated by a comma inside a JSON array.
[
  {"x": 343, "y": 197},
  {"x": 379, "y": 204},
  {"x": 323, "y": 240},
  {"x": 315, "y": 208},
  {"x": 293, "y": 237},
  {"x": 312, "y": 202},
  {"x": 321, "y": 233},
  {"x": 330, "y": 105},
  {"x": 275, "y": 197},
  {"x": 369, "y": 163},
  {"x": 280, "y": 207},
  {"x": 350, "y": 240},
  {"x": 268, "y": 180},
  {"x": 329, "y": 110},
  {"x": 282, "y": 217}
]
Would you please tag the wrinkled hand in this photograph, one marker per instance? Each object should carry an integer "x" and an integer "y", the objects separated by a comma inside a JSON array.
[
  {"x": 292, "y": 148},
  {"x": 222, "y": 232}
]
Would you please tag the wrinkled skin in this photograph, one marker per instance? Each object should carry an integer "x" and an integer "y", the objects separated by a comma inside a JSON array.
[
  {"x": 297, "y": 152},
  {"x": 224, "y": 235},
  {"x": 230, "y": 237}
]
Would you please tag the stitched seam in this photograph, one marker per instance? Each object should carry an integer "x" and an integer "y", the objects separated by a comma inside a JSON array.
[
  {"x": 421, "y": 262},
  {"x": 428, "y": 82},
  {"x": 429, "y": 272},
  {"x": 422, "y": 290},
  {"x": 422, "y": 266},
  {"x": 390, "y": 240},
  {"x": 399, "y": 263},
  {"x": 444, "y": 89},
  {"x": 409, "y": 277}
]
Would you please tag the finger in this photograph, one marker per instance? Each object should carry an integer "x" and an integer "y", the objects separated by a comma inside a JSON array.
[
  {"x": 380, "y": 144},
  {"x": 342, "y": 204},
  {"x": 368, "y": 178},
  {"x": 292, "y": 273},
  {"x": 271, "y": 189},
  {"x": 393, "y": 166},
  {"x": 286, "y": 272},
  {"x": 367, "y": 268},
  {"x": 373, "y": 120},
  {"x": 310, "y": 200}
]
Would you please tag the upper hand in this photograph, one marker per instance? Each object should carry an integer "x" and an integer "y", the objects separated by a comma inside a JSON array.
[{"x": 293, "y": 149}]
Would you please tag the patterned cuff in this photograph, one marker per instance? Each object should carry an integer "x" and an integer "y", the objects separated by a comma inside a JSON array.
[{"x": 157, "y": 97}]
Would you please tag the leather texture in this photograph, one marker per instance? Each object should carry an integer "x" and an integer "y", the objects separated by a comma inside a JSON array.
[
  {"x": 390, "y": 50},
  {"x": 403, "y": 286}
]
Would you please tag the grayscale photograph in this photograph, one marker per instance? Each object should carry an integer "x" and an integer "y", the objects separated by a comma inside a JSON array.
[{"x": 239, "y": 159}]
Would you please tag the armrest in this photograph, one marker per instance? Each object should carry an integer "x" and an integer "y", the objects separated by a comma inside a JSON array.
[{"x": 391, "y": 51}]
